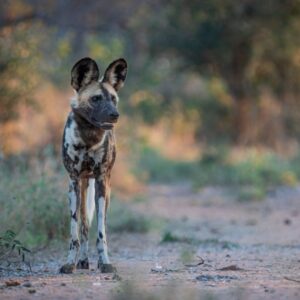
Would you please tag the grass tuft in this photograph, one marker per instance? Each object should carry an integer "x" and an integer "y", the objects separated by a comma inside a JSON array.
[{"x": 123, "y": 219}]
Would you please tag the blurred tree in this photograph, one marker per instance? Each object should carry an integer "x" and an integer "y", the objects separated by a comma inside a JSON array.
[
  {"x": 241, "y": 49},
  {"x": 250, "y": 44},
  {"x": 18, "y": 59}
]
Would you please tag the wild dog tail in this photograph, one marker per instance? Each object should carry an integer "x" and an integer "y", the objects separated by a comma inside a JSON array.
[{"x": 90, "y": 200}]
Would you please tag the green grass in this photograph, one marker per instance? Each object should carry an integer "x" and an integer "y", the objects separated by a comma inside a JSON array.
[
  {"x": 34, "y": 203},
  {"x": 265, "y": 170},
  {"x": 156, "y": 168},
  {"x": 121, "y": 218},
  {"x": 170, "y": 237},
  {"x": 251, "y": 176},
  {"x": 249, "y": 193}
]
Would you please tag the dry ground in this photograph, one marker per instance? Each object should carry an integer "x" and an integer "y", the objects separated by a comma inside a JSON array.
[{"x": 258, "y": 241}]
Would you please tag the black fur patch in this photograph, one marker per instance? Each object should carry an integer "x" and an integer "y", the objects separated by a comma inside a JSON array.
[
  {"x": 74, "y": 244},
  {"x": 78, "y": 147},
  {"x": 74, "y": 216},
  {"x": 76, "y": 159},
  {"x": 83, "y": 73}
]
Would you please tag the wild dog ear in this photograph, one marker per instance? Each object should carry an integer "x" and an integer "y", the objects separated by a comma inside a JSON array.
[
  {"x": 83, "y": 73},
  {"x": 115, "y": 73}
]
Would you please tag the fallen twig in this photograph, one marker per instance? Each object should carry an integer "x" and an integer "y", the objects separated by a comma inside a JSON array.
[
  {"x": 201, "y": 262},
  {"x": 231, "y": 268},
  {"x": 292, "y": 279}
]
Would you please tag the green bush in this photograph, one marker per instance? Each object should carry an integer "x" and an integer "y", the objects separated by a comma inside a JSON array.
[
  {"x": 34, "y": 203},
  {"x": 10, "y": 246},
  {"x": 267, "y": 170},
  {"x": 160, "y": 169},
  {"x": 214, "y": 168}
]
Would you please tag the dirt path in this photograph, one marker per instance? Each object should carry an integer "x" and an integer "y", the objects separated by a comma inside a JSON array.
[{"x": 258, "y": 244}]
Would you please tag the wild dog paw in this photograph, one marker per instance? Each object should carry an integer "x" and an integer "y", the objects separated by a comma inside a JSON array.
[
  {"x": 107, "y": 268},
  {"x": 83, "y": 264},
  {"x": 67, "y": 269}
]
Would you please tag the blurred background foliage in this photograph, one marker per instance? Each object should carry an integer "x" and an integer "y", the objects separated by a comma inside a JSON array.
[
  {"x": 211, "y": 95},
  {"x": 222, "y": 65}
]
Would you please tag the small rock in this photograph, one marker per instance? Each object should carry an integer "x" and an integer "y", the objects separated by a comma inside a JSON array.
[
  {"x": 158, "y": 267},
  {"x": 63, "y": 284},
  {"x": 287, "y": 222},
  {"x": 31, "y": 291},
  {"x": 27, "y": 284}
]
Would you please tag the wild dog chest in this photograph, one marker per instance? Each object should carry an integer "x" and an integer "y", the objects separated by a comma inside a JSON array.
[{"x": 87, "y": 156}]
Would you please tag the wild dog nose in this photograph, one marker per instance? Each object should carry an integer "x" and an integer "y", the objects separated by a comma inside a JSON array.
[{"x": 114, "y": 115}]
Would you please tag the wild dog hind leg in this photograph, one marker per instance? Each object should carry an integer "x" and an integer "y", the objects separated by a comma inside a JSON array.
[{"x": 83, "y": 262}]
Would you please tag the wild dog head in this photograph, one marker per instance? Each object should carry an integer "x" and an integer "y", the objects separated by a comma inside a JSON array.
[{"x": 96, "y": 100}]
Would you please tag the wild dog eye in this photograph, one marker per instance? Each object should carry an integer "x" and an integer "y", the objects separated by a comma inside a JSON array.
[{"x": 96, "y": 98}]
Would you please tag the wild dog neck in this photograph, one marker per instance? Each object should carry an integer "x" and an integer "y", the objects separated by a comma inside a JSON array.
[{"x": 90, "y": 134}]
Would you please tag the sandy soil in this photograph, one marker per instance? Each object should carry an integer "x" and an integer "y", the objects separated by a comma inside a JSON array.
[{"x": 225, "y": 250}]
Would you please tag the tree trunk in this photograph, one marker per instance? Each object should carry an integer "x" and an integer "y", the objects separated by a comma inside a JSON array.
[
  {"x": 243, "y": 123},
  {"x": 243, "y": 128}
]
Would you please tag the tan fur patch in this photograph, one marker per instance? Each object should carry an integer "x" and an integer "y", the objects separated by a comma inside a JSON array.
[
  {"x": 83, "y": 190},
  {"x": 110, "y": 89},
  {"x": 90, "y": 91},
  {"x": 82, "y": 98}
]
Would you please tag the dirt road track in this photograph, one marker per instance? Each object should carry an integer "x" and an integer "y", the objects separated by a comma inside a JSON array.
[{"x": 258, "y": 241}]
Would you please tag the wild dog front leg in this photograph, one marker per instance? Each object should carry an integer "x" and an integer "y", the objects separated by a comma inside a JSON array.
[
  {"x": 74, "y": 203},
  {"x": 100, "y": 199}
]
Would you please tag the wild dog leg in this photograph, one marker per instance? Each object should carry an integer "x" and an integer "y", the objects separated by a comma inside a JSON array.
[
  {"x": 74, "y": 203},
  {"x": 83, "y": 262},
  {"x": 100, "y": 200}
]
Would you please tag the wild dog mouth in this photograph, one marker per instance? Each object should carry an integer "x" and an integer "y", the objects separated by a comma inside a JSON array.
[{"x": 105, "y": 125}]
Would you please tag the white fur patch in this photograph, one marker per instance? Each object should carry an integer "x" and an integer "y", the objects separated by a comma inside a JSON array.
[
  {"x": 90, "y": 203},
  {"x": 72, "y": 137},
  {"x": 102, "y": 244}
]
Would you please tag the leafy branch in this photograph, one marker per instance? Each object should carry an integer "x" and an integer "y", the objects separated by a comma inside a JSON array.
[{"x": 10, "y": 247}]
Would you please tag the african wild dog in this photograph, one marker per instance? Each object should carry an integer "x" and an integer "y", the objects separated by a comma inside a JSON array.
[{"x": 89, "y": 153}]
